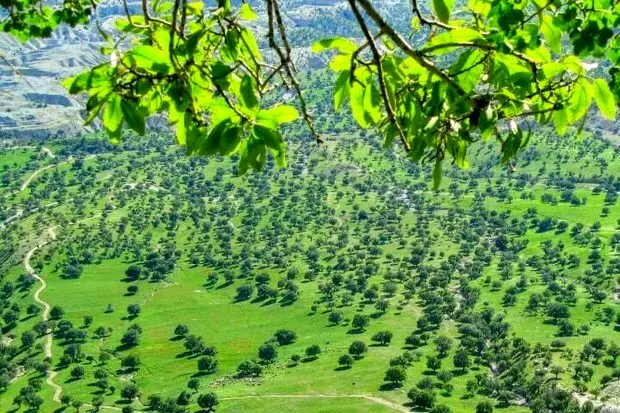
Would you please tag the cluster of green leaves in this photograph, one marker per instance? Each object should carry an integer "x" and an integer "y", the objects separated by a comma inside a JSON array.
[
  {"x": 26, "y": 19},
  {"x": 477, "y": 76},
  {"x": 476, "y": 70},
  {"x": 205, "y": 73}
]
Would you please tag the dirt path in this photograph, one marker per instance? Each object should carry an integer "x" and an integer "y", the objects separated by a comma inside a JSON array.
[
  {"x": 378, "y": 400},
  {"x": 51, "y": 374},
  {"x": 38, "y": 171},
  {"x": 34, "y": 175}
]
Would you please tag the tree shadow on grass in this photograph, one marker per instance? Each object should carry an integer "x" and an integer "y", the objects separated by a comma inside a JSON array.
[
  {"x": 71, "y": 380},
  {"x": 183, "y": 355},
  {"x": 388, "y": 386},
  {"x": 458, "y": 372},
  {"x": 129, "y": 280},
  {"x": 224, "y": 285},
  {"x": 258, "y": 299},
  {"x": 124, "y": 347},
  {"x": 342, "y": 368}
]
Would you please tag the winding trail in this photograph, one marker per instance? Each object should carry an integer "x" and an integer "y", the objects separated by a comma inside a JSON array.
[
  {"x": 34, "y": 175},
  {"x": 51, "y": 374},
  {"x": 38, "y": 171},
  {"x": 51, "y": 155}
]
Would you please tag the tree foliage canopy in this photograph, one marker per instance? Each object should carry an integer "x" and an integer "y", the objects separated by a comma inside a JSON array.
[{"x": 465, "y": 71}]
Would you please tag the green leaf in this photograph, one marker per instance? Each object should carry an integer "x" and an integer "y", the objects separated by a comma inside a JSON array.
[
  {"x": 437, "y": 174},
  {"x": 231, "y": 40},
  {"x": 552, "y": 69},
  {"x": 93, "y": 79},
  {"x": 151, "y": 58},
  {"x": 560, "y": 121},
  {"x": 372, "y": 103},
  {"x": 223, "y": 138},
  {"x": 580, "y": 101},
  {"x": 181, "y": 129},
  {"x": 246, "y": 12},
  {"x": 482, "y": 7},
  {"x": 278, "y": 114},
  {"x": 453, "y": 36},
  {"x": 249, "y": 40},
  {"x": 196, "y": 7},
  {"x": 551, "y": 34},
  {"x": 256, "y": 154},
  {"x": 488, "y": 119},
  {"x": 272, "y": 139},
  {"x": 230, "y": 139},
  {"x": 94, "y": 105},
  {"x": 133, "y": 117},
  {"x": 177, "y": 101},
  {"x": 357, "y": 105},
  {"x": 470, "y": 68},
  {"x": 243, "y": 158},
  {"x": 248, "y": 95},
  {"x": 341, "y": 44},
  {"x": 342, "y": 89},
  {"x": 192, "y": 41},
  {"x": 113, "y": 117},
  {"x": 443, "y": 9},
  {"x": 604, "y": 98}
]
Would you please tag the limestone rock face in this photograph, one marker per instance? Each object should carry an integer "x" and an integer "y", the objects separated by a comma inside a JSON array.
[{"x": 32, "y": 101}]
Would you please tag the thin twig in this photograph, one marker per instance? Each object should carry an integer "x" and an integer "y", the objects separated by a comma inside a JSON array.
[
  {"x": 377, "y": 58},
  {"x": 426, "y": 21},
  {"x": 286, "y": 65}
]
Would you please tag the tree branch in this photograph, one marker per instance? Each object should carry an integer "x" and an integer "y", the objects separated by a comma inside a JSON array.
[
  {"x": 285, "y": 61},
  {"x": 406, "y": 47},
  {"x": 377, "y": 58}
]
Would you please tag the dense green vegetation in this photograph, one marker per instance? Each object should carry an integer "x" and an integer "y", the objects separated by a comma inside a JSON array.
[
  {"x": 172, "y": 278},
  {"x": 432, "y": 76}
]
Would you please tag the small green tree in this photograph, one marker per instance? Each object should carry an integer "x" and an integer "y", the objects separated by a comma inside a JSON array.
[
  {"x": 360, "y": 322},
  {"x": 208, "y": 401},
  {"x": 345, "y": 361},
  {"x": 396, "y": 376},
  {"x": 357, "y": 349},
  {"x": 313, "y": 351},
  {"x": 268, "y": 353},
  {"x": 382, "y": 337},
  {"x": 484, "y": 406}
]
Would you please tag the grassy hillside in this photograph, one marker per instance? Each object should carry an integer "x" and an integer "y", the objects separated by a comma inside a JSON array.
[{"x": 347, "y": 230}]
